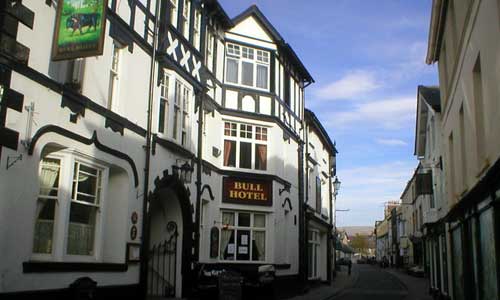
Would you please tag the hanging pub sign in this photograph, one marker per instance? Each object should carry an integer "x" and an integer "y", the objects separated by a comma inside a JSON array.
[
  {"x": 80, "y": 28},
  {"x": 247, "y": 191}
]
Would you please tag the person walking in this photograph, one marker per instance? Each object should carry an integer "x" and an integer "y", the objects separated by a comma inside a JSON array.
[{"x": 349, "y": 266}]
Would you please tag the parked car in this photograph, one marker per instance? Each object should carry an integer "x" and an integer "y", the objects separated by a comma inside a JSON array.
[
  {"x": 417, "y": 271},
  {"x": 362, "y": 260},
  {"x": 342, "y": 261}
]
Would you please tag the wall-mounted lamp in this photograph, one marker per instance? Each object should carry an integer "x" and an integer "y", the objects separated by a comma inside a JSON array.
[
  {"x": 336, "y": 186},
  {"x": 184, "y": 172}
]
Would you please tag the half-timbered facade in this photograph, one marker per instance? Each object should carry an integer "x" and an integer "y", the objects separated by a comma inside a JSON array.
[{"x": 132, "y": 169}]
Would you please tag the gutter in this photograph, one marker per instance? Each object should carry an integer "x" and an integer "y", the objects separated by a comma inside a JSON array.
[{"x": 436, "y": 30}]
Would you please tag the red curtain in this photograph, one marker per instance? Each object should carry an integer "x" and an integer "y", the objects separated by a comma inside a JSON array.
[
  {"x": 262, "y": 156},
  {"x": 227, "y": 152}
]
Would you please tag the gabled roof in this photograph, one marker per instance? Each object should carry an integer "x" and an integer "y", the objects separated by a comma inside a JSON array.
[
  {"x": 215, "y": 7},
  {"x": 432, "y": 97},
  {"x": 275, "y": 35},
  {"x": 321, "y": 130}
]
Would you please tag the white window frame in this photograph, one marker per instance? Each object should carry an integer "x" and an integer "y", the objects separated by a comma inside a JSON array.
[
  {"x": 174, "y": 12},
  {"x": 164, "y": 97},
  {"x": 197, "y": 29},
  {"x": 250, "y": 228},
  {"x": 186, "y": 13},
  {"x": 237, "y": 52},
  {"x": 253, "y": 141},
  {"x": 210, "y": 50},
  {"x": 174, "y": 129},
  {"x": 67, "y": 160},
  {"x": 114, "y": 76}
]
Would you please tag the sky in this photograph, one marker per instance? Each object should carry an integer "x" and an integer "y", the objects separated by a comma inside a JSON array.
[{"x": 367, "y": 58}]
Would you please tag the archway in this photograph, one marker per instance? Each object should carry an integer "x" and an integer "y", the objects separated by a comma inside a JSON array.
[{"x": 171, "y": 234}]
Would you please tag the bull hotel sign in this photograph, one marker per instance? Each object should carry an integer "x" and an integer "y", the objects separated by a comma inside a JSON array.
[{"x": 247, "y": 191}]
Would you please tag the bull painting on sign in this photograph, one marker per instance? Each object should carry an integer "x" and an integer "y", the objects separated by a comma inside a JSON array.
[{"x": 80, "y": 27}]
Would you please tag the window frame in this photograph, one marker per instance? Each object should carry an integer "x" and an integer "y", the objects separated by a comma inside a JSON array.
[
  {"x": 68, "y": 158},
  {"x": 251, "y": 228},
  {"x": 315, "y": 243},
  {"x": 252, "y": 140},
  {"x": 185, "y": 18},
  {"x": 174, "y": 6},
  {"x": 241, "y": 54}
]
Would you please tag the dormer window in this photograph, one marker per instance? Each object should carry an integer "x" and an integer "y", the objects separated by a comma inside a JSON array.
[{"x": 247, "y": 66}]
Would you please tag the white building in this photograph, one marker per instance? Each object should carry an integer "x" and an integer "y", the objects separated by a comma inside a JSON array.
[{"x": 227, "y": 109}]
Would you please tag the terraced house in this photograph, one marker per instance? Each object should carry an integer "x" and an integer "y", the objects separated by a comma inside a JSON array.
[{"x": 173, "y": 152}]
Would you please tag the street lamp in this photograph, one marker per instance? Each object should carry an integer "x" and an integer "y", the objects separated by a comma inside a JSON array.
[
  {"x": 336, "y": 186},
  {"x": 184, "y": 172}
]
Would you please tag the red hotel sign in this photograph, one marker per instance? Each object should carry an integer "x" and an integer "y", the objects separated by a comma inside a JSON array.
[{"x": 247, "y": 191}]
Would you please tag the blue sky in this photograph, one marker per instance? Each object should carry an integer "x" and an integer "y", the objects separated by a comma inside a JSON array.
[{"x": 367, "y": 57}]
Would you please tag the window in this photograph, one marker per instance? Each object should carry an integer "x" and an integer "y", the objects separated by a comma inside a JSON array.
[
  {"x": 185, "y": 18},
  {"x": 210, "y": 50},
  {"x": 181, "y": 121},
  {"x": 249, "y": 142},
  {"x": 46, "y": 206},
  {"x": 76, "y": 213},
  {"x": 173, "y": 12},
  {"x": 247, "y": 66},
  {"x": 196, "y": 29},
  {"x": 318, "y": 194},
  {"x": 114, "y": 76},
  {"x": 163, "y": 110},
  {"x": 243, "y": 236},
  {"x": 84, "y": 208},
  {"x": 313, "y": 253},
  {"x": 479, "y": 116}
]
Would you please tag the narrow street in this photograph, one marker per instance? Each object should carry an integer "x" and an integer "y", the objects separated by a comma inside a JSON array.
[{"x": 374, "y": 283}]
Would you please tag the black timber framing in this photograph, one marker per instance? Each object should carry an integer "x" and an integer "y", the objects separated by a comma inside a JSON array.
[
  {"x": 59, "y": 267},
  {"x": 87, "y": 141}
]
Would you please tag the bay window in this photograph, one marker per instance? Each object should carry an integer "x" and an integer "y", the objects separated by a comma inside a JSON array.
[
  {"x": 70, "y": 202},
  {"x": 245, "y": 146},
  {"x": 247, "y": 66},
  {"x": 243, "y": 236}
]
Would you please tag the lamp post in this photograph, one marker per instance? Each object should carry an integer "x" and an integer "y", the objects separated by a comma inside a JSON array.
[{"x": 336, "y": 188}]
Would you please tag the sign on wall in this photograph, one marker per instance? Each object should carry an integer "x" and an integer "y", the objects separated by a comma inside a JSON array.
[
  {"x": 247, "y": 191},
  {"x": 80, "y": 28}
]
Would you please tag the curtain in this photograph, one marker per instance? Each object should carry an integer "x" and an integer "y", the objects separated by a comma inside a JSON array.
[
  {"x": 260, "y": 242},
  {"x": 262, "y": 76},
  {"x": 227, "y": 219},
  {"x": 227, "y": 152},
  {"x": 247, "y": 73},
  {"x": 48, "y": 175},
  {"x": 261, "y": 157},
  {"x": 232, "y": 70}
]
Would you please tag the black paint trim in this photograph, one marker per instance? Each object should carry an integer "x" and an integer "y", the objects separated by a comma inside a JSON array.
[
  {"x": 13, "y": 99},
  {"x": 80, "y": 100},
  {"x": 9, "y": 138},
  {"x": 210, "y": 193},
  {"x": 71, "y": 135},
  {"x": 114, "y": 125},
  {"x": 21, "y": 13},
  {"x": 287, "y": 200},
  {"x": 56, "y": 267},
  {"x": 248, "y": 175},
  {"x": 174, "y": 147}
]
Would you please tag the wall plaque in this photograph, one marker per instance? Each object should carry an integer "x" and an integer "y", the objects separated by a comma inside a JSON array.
[{"x": 247, "y": 191}]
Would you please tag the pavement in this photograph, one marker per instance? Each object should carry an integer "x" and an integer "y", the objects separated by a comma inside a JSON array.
[{"x": 370, "y": 282}]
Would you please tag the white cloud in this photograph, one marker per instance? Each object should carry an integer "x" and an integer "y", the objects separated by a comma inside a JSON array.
[
  {"x": 391, "y": 142},
  {"x": 354, "y": 84},
  {"x": 390, "y": 114}
]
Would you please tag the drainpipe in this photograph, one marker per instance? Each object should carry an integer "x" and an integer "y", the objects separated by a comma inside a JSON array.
[
  {"x": 145, "y": 221},
  {"x": 330, "y": 245}
]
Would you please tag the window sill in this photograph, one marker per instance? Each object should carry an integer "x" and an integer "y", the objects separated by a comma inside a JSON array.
[{"x": 55, "y": 267}]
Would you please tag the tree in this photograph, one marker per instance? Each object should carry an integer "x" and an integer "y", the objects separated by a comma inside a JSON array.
[
  {"x": 360, "y": 243},
  {"x": 92, "y": 3}
]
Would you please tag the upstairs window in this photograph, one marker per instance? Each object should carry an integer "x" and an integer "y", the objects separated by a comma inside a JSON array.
[
  {"x": 164, "y": 104},
  {"x": 173, "y": 12},
  {"x": 210, "y": 50},
  {"x": 247, "y": 66},
  {"x": 181, "y": 121},
  {"x": 245, "y": 146},
  {"x": 114, "y": 76},
  {"x": 196, "y": 29},
  {"x": 185, "y": 18}
]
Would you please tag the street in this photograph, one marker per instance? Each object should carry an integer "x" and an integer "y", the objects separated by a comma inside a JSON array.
[{"x": 374, "y": 283}]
